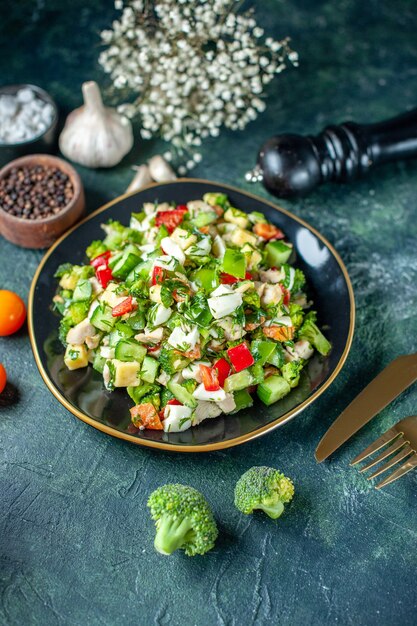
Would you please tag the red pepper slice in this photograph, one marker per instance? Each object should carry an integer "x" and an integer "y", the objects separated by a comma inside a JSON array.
[
  {"x": 157, "y": 275},
  {"x": 287, "y": 295},
  {"x": 240, "y": 357},
  {"x": 174, "y": 402},
  {"x": 268, "y": 231},
  {"x": 104, "y": 276},
  {"x": 101, "y": 259},
  {"x": 171, "y": 219},
  {"x": 126, "y": 306},
  {"x": 223, "y": 370},
  {"x": 209, "y": 378},
  {"x": 228, "y": 279}
]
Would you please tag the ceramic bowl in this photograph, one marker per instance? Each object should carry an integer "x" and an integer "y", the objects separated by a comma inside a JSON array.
[
  {"x": 42, "y": 233},
  {"x": 82, "y": 391},
  {"x": 43, "y": 142}
]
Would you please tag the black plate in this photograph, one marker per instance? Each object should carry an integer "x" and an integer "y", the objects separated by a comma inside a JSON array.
[{"x": 82, "y": 391}]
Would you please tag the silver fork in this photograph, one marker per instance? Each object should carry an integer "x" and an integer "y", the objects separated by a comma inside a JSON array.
[{"x": 401, "y": 440}]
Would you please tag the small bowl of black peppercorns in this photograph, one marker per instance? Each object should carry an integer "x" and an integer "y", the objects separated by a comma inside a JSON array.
[{"x": 41, "y": 196}]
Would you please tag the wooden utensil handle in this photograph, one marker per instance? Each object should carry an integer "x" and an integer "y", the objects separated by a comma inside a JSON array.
[
  {"x": 351, "y": 149},
  {"x": 291, "y": 165}
]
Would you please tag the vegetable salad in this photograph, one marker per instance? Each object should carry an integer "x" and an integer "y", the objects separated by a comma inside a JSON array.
[{"x": 193, "y": 308}]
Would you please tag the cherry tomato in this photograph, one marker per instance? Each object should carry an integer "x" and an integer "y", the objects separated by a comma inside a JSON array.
[
  {"x": 12, "y": 312},
  {"x": 209, "y": 377},
  {"x": 126, "y": 306},
  {"x": 3, "y": 377},
  {"x": 268, "y": 231},
  {"x": 171, "y": 219}
]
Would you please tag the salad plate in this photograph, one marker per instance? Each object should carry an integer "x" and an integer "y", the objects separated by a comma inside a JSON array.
[{"x": 82, "y": 391}]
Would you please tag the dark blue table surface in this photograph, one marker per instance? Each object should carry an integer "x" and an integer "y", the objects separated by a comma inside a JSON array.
[{"x": 75, "y": 537}]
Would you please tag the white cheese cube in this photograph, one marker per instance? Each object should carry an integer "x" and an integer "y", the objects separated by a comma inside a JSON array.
[
  {"x": 172, "y": 249},
  {"x": 162, "y": 315},
  {"x": 177, "y": 418},
  {"x": 218, "y": 247},
  {"x": 223, "y": 301},
  {"x": 183, "y": 238},
  {"x": 126, "y": 373},
  {"x": 75, "y": 356},
  {"x": 166, "y": 262},
  {"x": 210, "y": 396},
  {"x": 184, "y": 339}
]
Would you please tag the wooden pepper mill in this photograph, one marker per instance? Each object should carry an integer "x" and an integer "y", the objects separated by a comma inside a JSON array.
[{"x": 293, "y": 165}]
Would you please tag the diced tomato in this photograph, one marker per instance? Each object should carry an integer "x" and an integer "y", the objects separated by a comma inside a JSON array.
[
  {"x": 228, "y": 279},
  {"x": 146, "y": 415},
  {"x": 279, "y": 333},
  {"x": 223, "y": 370},
  {"x": 101, "y": 259},
  {"x": 287, "y": 295},
  {"x": 174, "y": 402},
  {"x": 104, "y": 276},
  {"x": 154, "y": 348},
  {"x": 268, "y": 231},
  {"x": 171, "y": 219},
  {"x": 157, "y": 275},
  {"x": 240, "y": 357},
  {"x": 126, "y": 306},
  {"x": 209, "y": 378}
]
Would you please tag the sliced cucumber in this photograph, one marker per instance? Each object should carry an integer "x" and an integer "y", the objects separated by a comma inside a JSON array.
[
  {"x": 273, "y": 389},
  {"x": 235, "y": 382},
  {"x": 102, "y": 317},
  {"x": 149, "y": 369},
  {"x": 125, "y": 265},
  {"x": 130, "y": 350},
  {"x": 277, "y": 253},
  {"x": 182, "y": 395}
]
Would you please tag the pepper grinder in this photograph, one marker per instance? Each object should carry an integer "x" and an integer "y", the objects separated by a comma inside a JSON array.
[{"x": 293, "y": 165}]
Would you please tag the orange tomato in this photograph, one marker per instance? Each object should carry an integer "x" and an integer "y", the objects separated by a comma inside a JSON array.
[
  {"x": 279, "y": 333},
  {"x": 3, "y": 377},
  {"x": 12, "y": 312}
]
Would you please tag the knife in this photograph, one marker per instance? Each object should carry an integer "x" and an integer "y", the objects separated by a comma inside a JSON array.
[{"x": 392, "y": 381}]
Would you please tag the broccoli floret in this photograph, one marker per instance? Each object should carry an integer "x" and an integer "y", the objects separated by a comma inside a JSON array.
[
  {"x": 171, "y": 362},
  {"x": 183, "y": 520},
  {"x": 310, "y": 331},
  {"x": 291, "y": 372},
  {"x": 296, "y": 314},
  {"x": 216, "y": 198},
  {"x": 95, "y": 248},
  {"x": 263, "y": 488},
  {"x": 299, "y": 281}
]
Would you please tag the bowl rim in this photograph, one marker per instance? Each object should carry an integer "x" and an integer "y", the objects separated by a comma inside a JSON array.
[
  {"x": 210, "y": 447},
  {"x": 36, "y": 159},
  {"x": 46, "y": 97}
]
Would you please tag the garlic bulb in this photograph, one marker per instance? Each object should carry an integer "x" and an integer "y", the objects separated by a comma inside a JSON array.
[
  {"x": 95, "y": 135},
  {"x": 160, "y": 171},
  {"x": 140, "y": 179}
]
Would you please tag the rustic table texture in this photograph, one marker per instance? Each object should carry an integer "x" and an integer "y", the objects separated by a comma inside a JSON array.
[{"x": 76, "y": 540}]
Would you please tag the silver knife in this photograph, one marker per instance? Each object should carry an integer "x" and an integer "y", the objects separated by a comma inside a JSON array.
[{"x": 392, "y": 381}]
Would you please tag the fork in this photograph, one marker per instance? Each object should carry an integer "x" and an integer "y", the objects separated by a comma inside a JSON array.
[{"x": 401, "y": 440}]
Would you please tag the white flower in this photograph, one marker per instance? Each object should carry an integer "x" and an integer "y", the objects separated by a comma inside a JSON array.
[{"x": 193, "y": 67}]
